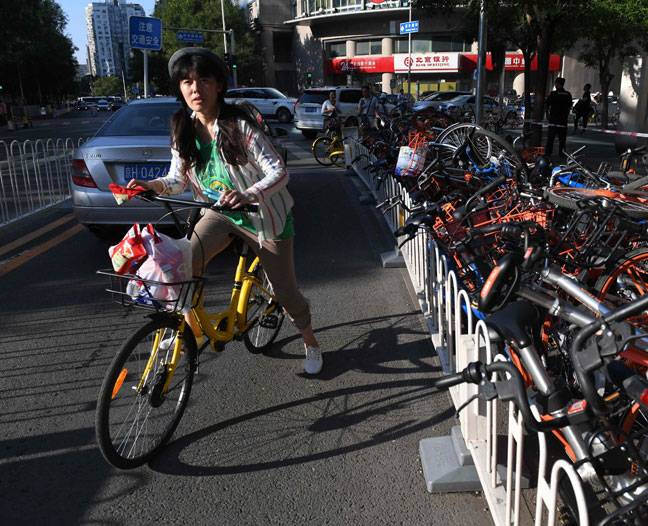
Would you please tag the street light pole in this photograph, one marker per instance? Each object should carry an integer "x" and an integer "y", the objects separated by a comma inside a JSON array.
[{"x": 145, "y": 73}]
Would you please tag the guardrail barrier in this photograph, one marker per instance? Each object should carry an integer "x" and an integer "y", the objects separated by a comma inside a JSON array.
[
  {"x": 34, "y": 175},
  {"x": 459, "y": 339}
]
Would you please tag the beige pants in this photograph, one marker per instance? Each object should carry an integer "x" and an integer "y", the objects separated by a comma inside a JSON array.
[{"x": 214, "y": 233}]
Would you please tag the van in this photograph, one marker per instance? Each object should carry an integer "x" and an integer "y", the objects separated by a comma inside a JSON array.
[{"x": 308, "y": 108}]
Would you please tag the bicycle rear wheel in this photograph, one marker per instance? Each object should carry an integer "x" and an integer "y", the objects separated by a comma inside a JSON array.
[
  {"x": 263, "y": 314},
  {"x": 634, "y": 204},
  {"x": 135, "y": 417},
  {"x": 321, "y": 149}
]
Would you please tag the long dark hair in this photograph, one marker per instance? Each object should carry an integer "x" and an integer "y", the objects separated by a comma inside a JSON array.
[{"x": 230, "y": 140}]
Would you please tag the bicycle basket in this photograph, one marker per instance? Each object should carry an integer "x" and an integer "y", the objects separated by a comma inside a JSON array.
[{"x": 130, "y": 290}]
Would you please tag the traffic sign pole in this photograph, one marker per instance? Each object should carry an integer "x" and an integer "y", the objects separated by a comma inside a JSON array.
[{"x": 145, "y": 52}]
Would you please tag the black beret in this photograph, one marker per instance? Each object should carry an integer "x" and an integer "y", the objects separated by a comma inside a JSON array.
[{"x": 188, "y": 51}]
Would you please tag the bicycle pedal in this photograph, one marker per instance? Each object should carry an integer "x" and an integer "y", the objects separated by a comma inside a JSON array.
[{"x": 269, "y": 321}]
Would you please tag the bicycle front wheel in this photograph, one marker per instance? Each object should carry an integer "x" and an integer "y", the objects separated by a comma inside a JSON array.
[
  {"x": 136, "y": 413},
  {"x": 263, "y": 314},
  {"x": 321, "y": 150}
]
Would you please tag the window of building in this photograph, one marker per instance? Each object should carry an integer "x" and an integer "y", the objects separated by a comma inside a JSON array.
[
  {"x": 447, "y": 43},
  {"x": 282, "y": 45},
  {"x": 369, "y": 47},
  {"x": 347, "y": 4},
  {"x": 336, "y": 49}
]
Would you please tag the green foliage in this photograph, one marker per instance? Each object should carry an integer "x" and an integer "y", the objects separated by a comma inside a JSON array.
[
  {"x": 35, "y": 50},
  {"x": 613, "y": 29},
  {"x": 104, "y": 86},
  {"x": 197, "y": 14}
]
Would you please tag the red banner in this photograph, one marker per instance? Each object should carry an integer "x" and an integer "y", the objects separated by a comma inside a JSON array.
[
  {"x": 514, "y": 62},
  {"x": 364, "y": 64}
]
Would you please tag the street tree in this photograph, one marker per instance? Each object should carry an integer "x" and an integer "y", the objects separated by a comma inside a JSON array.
[
  {"x": 187, "y": 14},
  {"x": 36, "y": 58},
  {"x": 107, "y": 86},
  {"x": 613, "y": 29}
]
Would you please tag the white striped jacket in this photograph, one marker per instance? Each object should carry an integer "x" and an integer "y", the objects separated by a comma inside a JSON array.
[{"x": 263, "y": 179}]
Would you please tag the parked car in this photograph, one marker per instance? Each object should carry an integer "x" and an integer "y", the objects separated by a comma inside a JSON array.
[
  {"x": 116, "y": 103},
  {"x": 433, "y": 100},
  {"x": 134, "y": 143},
  {"x": 103, "y": 105},
  {"x": 466, "y": 104},
  {"x": 308, "y": 116},
  {"x": 269, "y": 101}
]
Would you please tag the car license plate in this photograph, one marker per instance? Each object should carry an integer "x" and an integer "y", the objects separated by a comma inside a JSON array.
[
  {"x": 310, "y": 110},
  {"x": 145, "y": 172}
]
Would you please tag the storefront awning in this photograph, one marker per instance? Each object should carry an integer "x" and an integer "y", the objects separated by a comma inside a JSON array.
[
  {"x": 514, "y": 62},
  {"x": 427, "y": 62}
]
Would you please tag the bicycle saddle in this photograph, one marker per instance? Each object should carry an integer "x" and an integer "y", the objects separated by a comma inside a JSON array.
[{"x": 518, "y": 321}]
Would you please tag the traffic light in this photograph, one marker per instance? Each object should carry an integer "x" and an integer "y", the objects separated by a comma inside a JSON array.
[{"x": 233, "y": 62}]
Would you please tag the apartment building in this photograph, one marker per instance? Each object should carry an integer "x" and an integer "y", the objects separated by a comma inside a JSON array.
[{"x": 108, "y": 44}]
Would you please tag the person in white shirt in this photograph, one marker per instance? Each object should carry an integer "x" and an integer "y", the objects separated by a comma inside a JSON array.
[{"x": 329, "y": 110}]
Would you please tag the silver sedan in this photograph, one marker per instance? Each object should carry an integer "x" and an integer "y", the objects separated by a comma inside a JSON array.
[{"x": 133, "y": 144}]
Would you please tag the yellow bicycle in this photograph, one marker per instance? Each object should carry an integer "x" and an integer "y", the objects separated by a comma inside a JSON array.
[
  {"x": 329, "y": 149},
  {"x": 147, "y": 386}
]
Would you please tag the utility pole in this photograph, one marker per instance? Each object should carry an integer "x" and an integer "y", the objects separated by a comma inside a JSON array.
[
  {"x": 481, "y": 63},
  {"x": 224, "y": 30}
]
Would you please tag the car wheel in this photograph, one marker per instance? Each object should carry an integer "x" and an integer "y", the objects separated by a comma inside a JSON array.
[
  {"x": 284, "y": 115},
  {"x": 309, "y": 134}
]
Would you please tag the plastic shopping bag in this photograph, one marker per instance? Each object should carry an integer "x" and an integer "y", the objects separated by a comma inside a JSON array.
[
  {"x": 127, "y": 255},
  {"x": 411, "y": 158},
  {"x": 169, "y": 263}
]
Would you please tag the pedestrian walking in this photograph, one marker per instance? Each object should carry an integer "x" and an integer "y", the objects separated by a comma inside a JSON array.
[
  {"x": 367, "y": 107},
  {"x": 583, "y": 108},
  {"x": 224, "y": 157},
  {"x": 558, "y": 105}
]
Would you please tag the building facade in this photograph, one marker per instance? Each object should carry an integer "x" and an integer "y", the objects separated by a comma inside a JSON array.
[
  {"x": 108, "y": 44},
  {"x": 353, "y": 42}
]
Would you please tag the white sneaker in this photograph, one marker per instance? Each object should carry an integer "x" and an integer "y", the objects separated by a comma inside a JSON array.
[{"x": 313, "y": 362}]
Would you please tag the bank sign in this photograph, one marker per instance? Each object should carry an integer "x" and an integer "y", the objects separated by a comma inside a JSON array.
[{"x": 426, "y": 62}]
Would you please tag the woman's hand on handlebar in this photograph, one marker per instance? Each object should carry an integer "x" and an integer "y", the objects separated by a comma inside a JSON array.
[
  {"x": 234, "y": 199},
  {"x": 154, "y": 186}
]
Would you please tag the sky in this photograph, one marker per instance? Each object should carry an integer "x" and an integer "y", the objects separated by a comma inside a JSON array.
[{"x": 76, "y": 26}]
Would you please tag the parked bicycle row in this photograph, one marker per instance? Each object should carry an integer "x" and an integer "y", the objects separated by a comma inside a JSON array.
[{"x": 554, "y": 259}]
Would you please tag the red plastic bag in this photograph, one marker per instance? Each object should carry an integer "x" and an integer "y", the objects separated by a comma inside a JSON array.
[
  {"x": 127, "y": 255},
  {"x": 123, "y": 194}
]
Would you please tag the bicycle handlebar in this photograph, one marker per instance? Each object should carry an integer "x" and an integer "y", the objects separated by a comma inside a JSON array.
[
  {"x": 152, "y": 196},
  {"x": 509, "y": 389}
]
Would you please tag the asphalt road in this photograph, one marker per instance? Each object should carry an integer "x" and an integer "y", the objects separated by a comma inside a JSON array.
[
  {"x": 74, "y": 125},
  {"x": 260, "y": 443}
]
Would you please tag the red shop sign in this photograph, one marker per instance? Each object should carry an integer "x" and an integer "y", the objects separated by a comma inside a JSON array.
[
  {"x": 365, "y": 64},
  {"x": 513, "y": 62}
]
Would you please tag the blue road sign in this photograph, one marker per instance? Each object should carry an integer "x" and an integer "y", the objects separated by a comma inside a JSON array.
[
  {"x": 145, "y": 32},
  {"x": 409, "y": 27},
  {"x": 193, "y": 37}
]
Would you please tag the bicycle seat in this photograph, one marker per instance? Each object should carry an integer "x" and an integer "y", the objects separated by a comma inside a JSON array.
[{"x": 517, "y": 322}]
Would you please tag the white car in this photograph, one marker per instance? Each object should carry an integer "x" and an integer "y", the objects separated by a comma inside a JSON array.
[
  {"x": 269, "y": 101},
  {"x": 308, "y": 110},
  {"x": 103, "y": 105}
]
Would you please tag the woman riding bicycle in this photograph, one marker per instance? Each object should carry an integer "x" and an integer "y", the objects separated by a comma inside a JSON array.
[{"x": 224, "y": 157}]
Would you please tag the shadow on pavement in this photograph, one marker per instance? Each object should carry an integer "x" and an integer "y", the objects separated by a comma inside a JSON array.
[
  {"x": 55, "y": 478},
  {"x": 370, "y": 350},
  {"x": 329, "y": 424}
]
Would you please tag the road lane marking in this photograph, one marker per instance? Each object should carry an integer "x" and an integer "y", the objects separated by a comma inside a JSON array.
[
  {"x": 30, "y": 254},
  {"x": 33, "y": 235}
]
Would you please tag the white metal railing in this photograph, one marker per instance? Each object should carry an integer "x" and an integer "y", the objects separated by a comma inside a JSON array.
[
  {"x": 33, "y": 175},
  {"x": 458, "y": 340}
]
